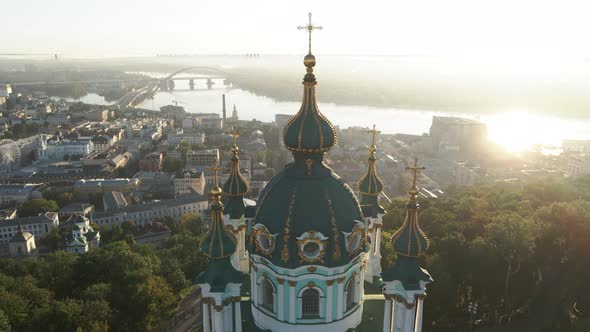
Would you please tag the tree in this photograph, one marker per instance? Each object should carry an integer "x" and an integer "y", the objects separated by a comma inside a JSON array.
[
  {"x": 34, "y": 207},
  {"x": 190, "y": 222},
  {"x": 4, "y": 323}
]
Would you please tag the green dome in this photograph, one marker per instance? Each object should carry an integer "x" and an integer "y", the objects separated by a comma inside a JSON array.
[
  {"x": 306, "y": 197},
  {"x": 410, "y": 240},
  {"x": 309, "y": 130},
  {"x": 218, "y": 242},
  {"x": 235, "y": 185},
  {"x": 370, "y": 184},
  {"x": 235, "y": 188}
]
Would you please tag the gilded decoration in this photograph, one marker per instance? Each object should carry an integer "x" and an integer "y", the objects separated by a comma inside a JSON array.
[
  {"x": 312, "y": 247},
  {"x": 263, "y": 239}
]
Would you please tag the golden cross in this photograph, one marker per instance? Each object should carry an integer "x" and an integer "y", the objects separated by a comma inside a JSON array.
[
  {"x": 215, "y": 169},
  {"x": 415, "y": 169},
  {"x": 309, "y": 27},
  {"x": 235, "y": 134},
  {"x": 374, "y": 132}
]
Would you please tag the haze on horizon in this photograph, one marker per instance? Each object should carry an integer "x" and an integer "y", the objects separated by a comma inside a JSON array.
[{"x": 504, "y": 30}]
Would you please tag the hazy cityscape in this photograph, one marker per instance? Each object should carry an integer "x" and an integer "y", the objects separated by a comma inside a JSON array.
[{"x": 434, "y": 187}]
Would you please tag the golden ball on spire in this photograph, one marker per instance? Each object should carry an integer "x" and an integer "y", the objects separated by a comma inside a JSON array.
[{"x": 309, "y": 61}]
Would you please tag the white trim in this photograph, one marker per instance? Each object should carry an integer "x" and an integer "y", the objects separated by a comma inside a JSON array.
[
  {"x": 266, "y": 322},
  {"x": 329, "y": 303},
  {"x": 206, "y": 322},
  {"x": 321, "y": 305}
]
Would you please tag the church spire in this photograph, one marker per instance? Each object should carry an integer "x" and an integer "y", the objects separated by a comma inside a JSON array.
[
  {"x": 218, "y": 242},
  {"x": 409, "y": 242},
  {"x": 236, "y": 185},
  {"x": 370, "y": 185},
  {"x": 309, "y": 131}
]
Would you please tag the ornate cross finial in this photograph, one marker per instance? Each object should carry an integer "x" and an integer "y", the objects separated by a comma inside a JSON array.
[
  {"x": 309, "y": 27},
  {"x": 374, "y": 132},
  {"x": 215, "y": 170},
  {"x": 415, "y": 169},
  {"x": 235, "y": 134}
]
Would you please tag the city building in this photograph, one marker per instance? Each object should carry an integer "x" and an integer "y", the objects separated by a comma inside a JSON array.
[
  {"x": 5, "y": 90},
  {"x": 80, "y": 236},
  {"x": 22, "y": 244},
  {"x": 576, "y": 146},
  {"x": 152, "y": 162},
  {"x": 577, "y": 165},
  {"x": 100, "y": 186},
  {"x": 60, "y": 150},
  {"x": 39, "y": 226},
  {"x": 454, "y": 134},
  {"x": 200, "y": 160},
  {"x": 75, "y": 209},
  {"x": 147, "y": 213},
  {"x": 101, "y": 143},
  {"x": 465, "y": 174},
  {"x": 188, "y": 181},
  {"x": 12, "y": 194}
]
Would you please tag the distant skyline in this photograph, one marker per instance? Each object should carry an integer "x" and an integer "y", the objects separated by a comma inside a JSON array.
[{"x": 503, "y": 29}]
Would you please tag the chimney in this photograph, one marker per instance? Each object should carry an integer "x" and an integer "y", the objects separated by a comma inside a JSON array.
[{"x": 224, "y": 114}]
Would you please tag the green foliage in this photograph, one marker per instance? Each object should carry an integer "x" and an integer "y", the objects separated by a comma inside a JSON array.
[
  {"x": 512, "y": 247},
  {"x": 172, "y": 165},
  {"x": 34, "y": 207},
  {"x": 121, "y": 286}
]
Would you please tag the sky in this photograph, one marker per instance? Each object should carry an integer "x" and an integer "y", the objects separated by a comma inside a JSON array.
[{"x": 107, "y": 28}]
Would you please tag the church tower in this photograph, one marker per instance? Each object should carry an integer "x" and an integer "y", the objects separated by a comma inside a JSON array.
[
  {"x": 405, "y": 282},
  {"x": 234, "y": 189},
  {"x": 370, "y": 187},
  {"x": 220, "y": 283},
  {"x": 308, "y": 243}
]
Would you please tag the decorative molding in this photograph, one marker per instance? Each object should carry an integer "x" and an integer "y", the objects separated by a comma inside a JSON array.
[
  {"x": 312, "y": 269},
  {"x": 330, "y": 282},
  {"x": 292, "y": 283},
  {"x": 311, "y": 284},
  {"x": 340, "y": 280}
]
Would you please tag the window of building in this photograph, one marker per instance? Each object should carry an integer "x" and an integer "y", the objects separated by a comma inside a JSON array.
[
  {"x": 350, "y": 290},
  {"x": 267, "y": 295},
  {"x": 310, "y": 303}
]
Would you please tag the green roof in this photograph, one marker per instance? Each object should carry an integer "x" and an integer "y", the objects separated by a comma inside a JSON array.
[
  {"x": 235, "y": 188},
  {"x": 307, "y": 196},
  {"x": 410, "y": 240},
  {"x": 408, "y": 271},
  {"x": 218, "y": 274},
  {"x": 309, "y": 130},
  {"x": 219, "y": 242}
]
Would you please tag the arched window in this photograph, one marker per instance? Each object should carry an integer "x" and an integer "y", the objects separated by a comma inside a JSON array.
[
  {"x": 350, "y": 293},
  {"x": 267, "y": 295},
  {"x": 310, "y": 303}
]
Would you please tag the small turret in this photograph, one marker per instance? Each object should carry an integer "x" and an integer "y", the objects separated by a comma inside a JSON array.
[{"x": 236, "y": 185}]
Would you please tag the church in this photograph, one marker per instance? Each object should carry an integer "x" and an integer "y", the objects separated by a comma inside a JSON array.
[{"x": 310, "y": 245}]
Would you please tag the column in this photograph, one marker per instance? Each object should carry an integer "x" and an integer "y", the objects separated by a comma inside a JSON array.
[
  {"x": 217, "y": 321},
  {"x": 387, "y": 316},
  {"x": 329, "y": 296},
  {"x": 281, "y": 298},
  {"x": 409, "y": 319},
  {"x": 238, "y": 316},
  {"x": 398, "y": 316},
  {"x": 253, "y": 289},
  {"x": 419, "y": 308},
  {"x": 339, "y": 298},
  {"x": 206, "y": 322},
  {"x": 292, "y": 300}
]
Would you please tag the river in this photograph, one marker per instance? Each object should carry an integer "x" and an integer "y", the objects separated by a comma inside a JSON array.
[{"x": 515, "y": 129}]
